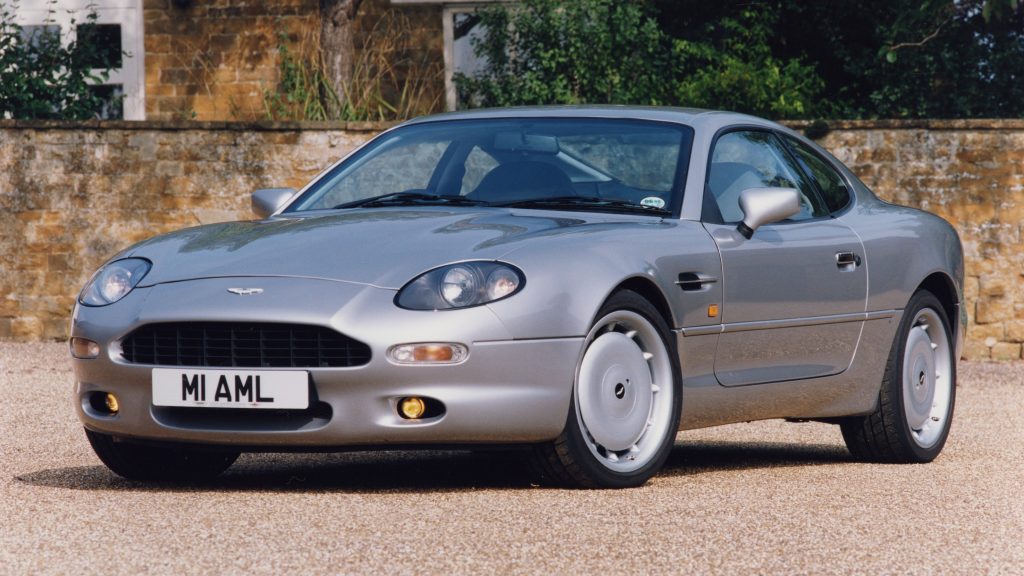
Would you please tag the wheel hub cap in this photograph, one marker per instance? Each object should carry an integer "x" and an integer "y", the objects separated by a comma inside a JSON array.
[
  {"x": 920, "y": 372},
  {"x": 615, "y": 393},
  {"x": 927, "y": 374}
]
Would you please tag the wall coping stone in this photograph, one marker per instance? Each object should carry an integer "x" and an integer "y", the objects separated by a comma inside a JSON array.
[
  {"x": 180, "y": 125},
  {"x": 273, "y": 126},
  {"x": 910, "y": 124}
]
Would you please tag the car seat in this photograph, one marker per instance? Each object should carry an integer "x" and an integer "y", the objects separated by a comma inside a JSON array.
[
  {"x": 726, "y": 182},
  {"x": 523, "y": 180}
]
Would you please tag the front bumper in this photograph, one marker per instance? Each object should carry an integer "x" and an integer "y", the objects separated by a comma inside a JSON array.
[{"x": 506, "y": 391}]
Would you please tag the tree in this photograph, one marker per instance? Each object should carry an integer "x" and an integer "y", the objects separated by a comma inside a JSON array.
[
  {"x": 888, "y": 58},
  {"x": 584, "y": 51},
  {"x": 731, "y": 66},
  {"x": 912, "y": 58},
  {"x": 608, "y": 52},
  {"x": 337, "y": 43},
  {"x": 775, "y": 58}
]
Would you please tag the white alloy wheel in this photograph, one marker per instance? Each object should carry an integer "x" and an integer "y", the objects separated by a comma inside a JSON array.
[
  {"x": 914, "y": 410},
  {"x": 625, "y": 401},
  {"x": 624, "y": 393},
  {"x": 927, "y": 381}
]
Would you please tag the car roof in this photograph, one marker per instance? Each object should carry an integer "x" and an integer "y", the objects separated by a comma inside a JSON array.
[{"x": 696, "y": 117}]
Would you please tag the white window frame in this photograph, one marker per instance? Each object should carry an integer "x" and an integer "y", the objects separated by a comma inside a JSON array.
[
  {"x": 126, "y": 13},
  {"x": 448, "y": 12}
]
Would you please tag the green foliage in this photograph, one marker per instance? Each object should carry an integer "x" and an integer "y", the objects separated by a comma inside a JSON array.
[
  {"x": 608, "y": 52},
  {"x": 775, "y": 58},
  {"x": 584, "y": 51},
  {"x": 42, "y": 78},
  {"x": 1000, "y": 9},
  {"x": 888, "y": 58},
  {"x": 738, "y": 72},
  {"x": 950, "y": 61}
]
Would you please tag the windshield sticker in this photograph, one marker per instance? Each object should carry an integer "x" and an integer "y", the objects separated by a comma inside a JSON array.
[{"x": 653, "y": 201}]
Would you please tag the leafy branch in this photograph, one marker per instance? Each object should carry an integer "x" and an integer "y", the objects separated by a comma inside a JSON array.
[{"x": 41, "y": 77}]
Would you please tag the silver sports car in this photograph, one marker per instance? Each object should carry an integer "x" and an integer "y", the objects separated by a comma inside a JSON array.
[{"x": 578, "y": 282}]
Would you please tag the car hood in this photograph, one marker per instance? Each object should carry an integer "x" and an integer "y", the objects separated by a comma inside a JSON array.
[{"x": 384, "y": 247}]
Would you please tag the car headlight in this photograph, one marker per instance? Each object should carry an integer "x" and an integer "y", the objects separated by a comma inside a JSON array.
[
  {"x": 460, "y": 286},
  {"x": 114, "y": 281}
]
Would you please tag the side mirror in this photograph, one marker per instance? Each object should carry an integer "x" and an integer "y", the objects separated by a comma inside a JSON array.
[
  {"x": 269, "y": 200},
  {"x": 766, "y": 205}
]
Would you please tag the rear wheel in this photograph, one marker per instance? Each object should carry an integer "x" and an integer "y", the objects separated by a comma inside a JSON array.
[
  {"x": 154, "y": 462},
  {"x": 915, "y": 406},
  {"x": 624, "y": 414}
]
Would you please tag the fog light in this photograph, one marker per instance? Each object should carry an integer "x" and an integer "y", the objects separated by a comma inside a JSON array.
[
  {"x": 412, "y": 407},
  {"x": 84, "y": 349},
  {"x": 428, "y": 353},
  {"x": 110, "y": 401}
]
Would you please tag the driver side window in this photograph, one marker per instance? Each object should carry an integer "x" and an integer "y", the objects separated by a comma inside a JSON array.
[{"x": 754, "y": 159}]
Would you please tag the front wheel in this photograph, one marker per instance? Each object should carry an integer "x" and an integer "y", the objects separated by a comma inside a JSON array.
[
  {"x": 624, "y": 412},
  {"x": 911, "y": 422},
  {"x": 155, "y": 463}
]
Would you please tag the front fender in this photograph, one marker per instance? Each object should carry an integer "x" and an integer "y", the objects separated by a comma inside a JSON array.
[{"x": 568, "y": 279}]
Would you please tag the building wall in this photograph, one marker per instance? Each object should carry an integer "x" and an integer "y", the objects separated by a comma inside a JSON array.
[
  {"x": 212, "y": 60},
  {"x": 416, "y": 55},
  {"x": 72, "y": 195},
  {"x": 215, "y": 59}
]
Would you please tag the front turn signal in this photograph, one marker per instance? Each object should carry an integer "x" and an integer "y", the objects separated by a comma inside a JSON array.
[
  {"x": 84, "y": 349},
  {"x": 428, "y": 353}
]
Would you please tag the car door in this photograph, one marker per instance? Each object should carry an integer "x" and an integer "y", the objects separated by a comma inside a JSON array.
[{"x": 793, "y": 294}]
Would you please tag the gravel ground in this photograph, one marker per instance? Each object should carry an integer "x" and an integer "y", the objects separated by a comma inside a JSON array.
[{"x": 765, "y": 497}]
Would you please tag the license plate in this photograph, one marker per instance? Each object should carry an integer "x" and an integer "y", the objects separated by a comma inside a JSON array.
[{"x": 200, "y": 388}]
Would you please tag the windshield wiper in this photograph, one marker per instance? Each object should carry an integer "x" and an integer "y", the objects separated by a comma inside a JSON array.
[
  {"x": 584, "y": 203},
  {"x": 410, "y": 198}
]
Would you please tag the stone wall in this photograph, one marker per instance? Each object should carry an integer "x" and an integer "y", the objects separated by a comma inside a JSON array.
[
  {"x": 71, "y": 195},
  {"x": 213, "y": 60}
]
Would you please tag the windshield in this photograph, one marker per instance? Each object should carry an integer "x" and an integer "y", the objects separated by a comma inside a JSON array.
[{"x": 567, "y": 164}]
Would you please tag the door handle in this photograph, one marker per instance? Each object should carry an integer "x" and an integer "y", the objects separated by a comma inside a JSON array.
[
  {"x": 694, "y": 281},
  {"x": 847, "y": 261}
]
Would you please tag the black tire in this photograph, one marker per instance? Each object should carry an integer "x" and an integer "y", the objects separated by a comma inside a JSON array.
[
  {"x": 886, "y": 435},
  {"x": 148, "y": 462},
  {"x": 570, "y": 460}
]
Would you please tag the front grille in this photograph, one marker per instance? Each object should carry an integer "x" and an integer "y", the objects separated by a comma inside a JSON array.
[
  {"x": 248, "y": 345},
  {"x": 316, "y": 416}
]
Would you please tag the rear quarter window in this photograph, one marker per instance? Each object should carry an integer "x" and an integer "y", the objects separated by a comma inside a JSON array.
[{"x": 832, "y": 185}]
